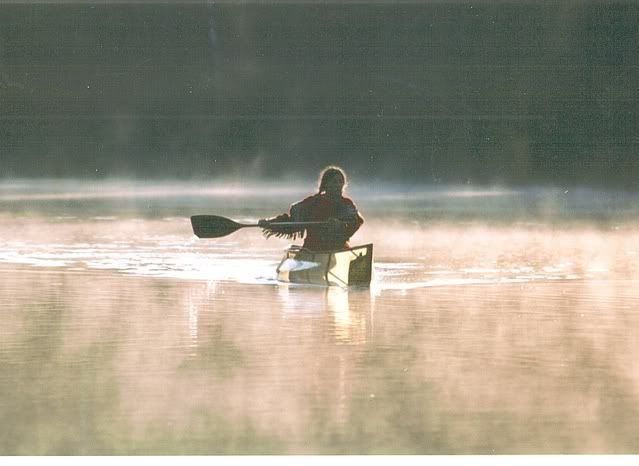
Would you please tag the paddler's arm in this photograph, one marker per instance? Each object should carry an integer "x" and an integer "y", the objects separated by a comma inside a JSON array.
[
  {"x": 352, "y": 224},
  {"x": 265, "y": 222},
  {"x": 346, "y": 227},
  {"x": 269, "y": 227},
  {"x": 349, "y": 221}
]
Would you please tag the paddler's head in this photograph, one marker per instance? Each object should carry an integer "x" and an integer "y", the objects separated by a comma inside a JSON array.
[{"x": 332, "y": 181}]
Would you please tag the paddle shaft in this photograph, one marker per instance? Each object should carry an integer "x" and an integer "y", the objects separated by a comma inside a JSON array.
[
  {"x": 284, "y": 224},
  {"x": 214, "y": 226}
]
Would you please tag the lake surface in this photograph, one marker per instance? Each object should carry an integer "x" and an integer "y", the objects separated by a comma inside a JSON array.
[{"x": 498, "y": 321}]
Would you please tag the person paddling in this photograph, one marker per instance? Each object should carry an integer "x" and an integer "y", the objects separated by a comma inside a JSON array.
[{"x": 330, "y": 205}]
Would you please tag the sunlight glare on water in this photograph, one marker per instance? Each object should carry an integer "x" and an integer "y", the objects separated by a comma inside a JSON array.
[{"x": 407, "y": 255}]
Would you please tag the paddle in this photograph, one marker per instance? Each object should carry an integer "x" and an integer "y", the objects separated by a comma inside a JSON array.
[{"x": 214, "y": 226}]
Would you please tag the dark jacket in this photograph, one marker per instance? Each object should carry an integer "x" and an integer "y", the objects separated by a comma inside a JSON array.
[{"x": 318, "y": 208}]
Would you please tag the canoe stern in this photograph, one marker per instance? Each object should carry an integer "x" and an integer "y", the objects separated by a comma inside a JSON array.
[{"x": 349, "y": 267}]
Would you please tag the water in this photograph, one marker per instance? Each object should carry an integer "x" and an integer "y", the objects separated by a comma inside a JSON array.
[{"x": 498, "y": 321}]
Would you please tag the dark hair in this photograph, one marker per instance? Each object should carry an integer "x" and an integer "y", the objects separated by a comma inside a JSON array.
[{"x": 328, "y": 174}]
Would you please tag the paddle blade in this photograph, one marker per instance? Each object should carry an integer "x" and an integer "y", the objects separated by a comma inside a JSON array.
[{"x": 212, "y": 226}]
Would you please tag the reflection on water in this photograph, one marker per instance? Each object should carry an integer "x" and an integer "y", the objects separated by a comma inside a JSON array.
[
  {"x": 126, "y": 335},
  {"x": 105, "y": 363},
  {"x": 349, "y": 323}
]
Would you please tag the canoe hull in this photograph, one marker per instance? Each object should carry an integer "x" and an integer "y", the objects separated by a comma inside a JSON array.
[{"x": 348, "y": 267}]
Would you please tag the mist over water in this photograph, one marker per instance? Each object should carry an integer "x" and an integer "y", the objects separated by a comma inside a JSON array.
[
  {"x": 428, "y": 236},
  {"x": 498, "y": 321}
]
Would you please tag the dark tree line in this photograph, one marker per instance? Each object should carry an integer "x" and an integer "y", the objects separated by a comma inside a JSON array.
[{"x": 512, "y": 92}]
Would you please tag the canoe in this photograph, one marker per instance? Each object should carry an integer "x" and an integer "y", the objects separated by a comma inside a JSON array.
[{"x": 347, "y": 267}]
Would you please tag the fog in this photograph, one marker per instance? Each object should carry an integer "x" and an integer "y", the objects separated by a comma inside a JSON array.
[
  {"x": 473, "y": 338},
  {"x": 422, "y": 236},
  {"x": 498, "y": 320},
  {"x": 256, "y": 198}
]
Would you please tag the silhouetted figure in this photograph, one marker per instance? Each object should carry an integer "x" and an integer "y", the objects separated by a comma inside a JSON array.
[{"x": 329, "y": 204}]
